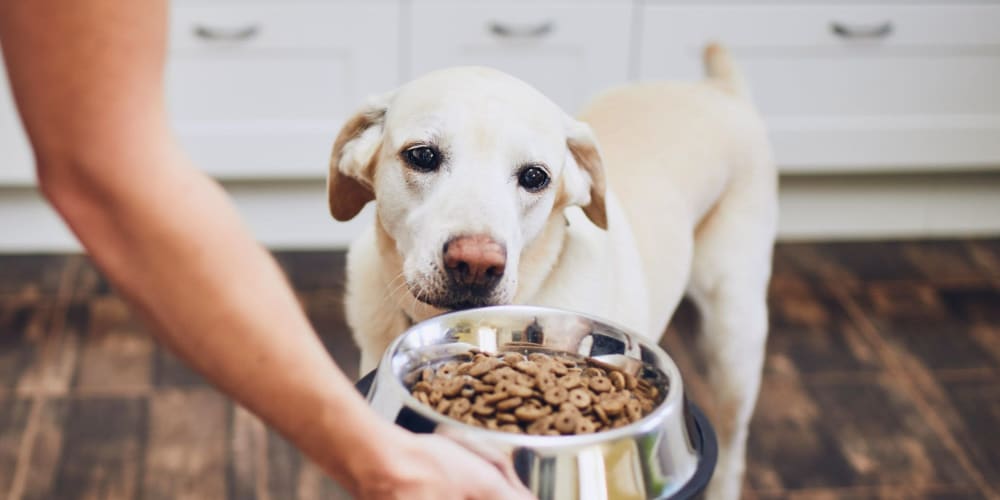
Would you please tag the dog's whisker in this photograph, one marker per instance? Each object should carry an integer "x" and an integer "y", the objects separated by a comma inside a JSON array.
[
  {"x": 395, "y": 289},
  {"x": 391, "y": 292}
]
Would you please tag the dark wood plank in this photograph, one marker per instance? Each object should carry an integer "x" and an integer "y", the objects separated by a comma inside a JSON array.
[
  {"x": 103, "y": 449},
  {"x": 945, "y": 262},
  {"x": 22, "y": 327},
  {"x": 116, "y": 353},
  {"x": 835, "y": 420},
  {"x": 284, "y": 462},
  {"x": 14, "y": 413},
  {"x": 929, "y": 323},
  {"x": 972, "y": 305},
  {"x": 46, "y": 450},
  {"x": 170, "y": 371},
  {"x": 36, "y": 275},
  {"x": 89, "y": 281},
  {"x": 845, "y": 439},
  {"x": 978, "y": 404},
  {"x": 807, "y": 262},
  {"x": 884, "y": 435},
  {"x": 847, "y": 263},
  {"x": 314, "y": 270},
  {"x": 186, "y": 448},
  {"x": 788, "y": 447},
  {"x": 917, "y": 382},
  {"x": 871, "y": 261},
  {"x": 986, "y": 253},
  {"x": 51, "y": 370},
  {"x": 326, "y": 313},
  {"x": 893, "y": 491},
  {"x": 810, "y": 334},
  {"x": 248, "y": 468}
]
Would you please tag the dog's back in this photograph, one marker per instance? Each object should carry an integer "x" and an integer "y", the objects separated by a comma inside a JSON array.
[
  {"x": 691, "y": 166},
  {"x": 672, "y": 150}
]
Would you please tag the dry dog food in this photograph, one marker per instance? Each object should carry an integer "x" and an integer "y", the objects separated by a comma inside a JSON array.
[{"x": 538, "y": 393}]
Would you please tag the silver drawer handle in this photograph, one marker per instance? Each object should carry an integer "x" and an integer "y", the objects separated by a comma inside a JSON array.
[
  {"x": 846, "y": 31},
  {"x": 521, "y": 31},
  {"x": 229, "y": 35}
]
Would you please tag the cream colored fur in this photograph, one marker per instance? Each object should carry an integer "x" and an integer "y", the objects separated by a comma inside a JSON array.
[{"x": 689, "y": 202}]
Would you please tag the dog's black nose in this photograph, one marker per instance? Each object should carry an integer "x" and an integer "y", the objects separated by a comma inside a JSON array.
[{"x": 475, "y": 262}]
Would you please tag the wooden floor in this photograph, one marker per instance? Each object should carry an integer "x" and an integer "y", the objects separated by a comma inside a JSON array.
[{"x": 882, "y": 380}]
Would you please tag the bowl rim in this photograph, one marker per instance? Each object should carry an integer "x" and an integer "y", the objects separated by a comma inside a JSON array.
[{"x": 673, "y": 402}]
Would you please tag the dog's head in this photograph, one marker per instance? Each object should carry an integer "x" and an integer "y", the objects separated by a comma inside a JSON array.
[{"x": 466, "y": 166}]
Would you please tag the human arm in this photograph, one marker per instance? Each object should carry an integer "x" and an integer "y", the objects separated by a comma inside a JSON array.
[{"x": 87, "y": 78}]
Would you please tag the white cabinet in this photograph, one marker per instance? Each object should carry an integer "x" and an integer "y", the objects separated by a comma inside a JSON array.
[
  {"x": 851, "y": 87},
  {"x": 260, "y": 89},
  {"x": 569, "y": 51},
  {"x": 16, "y": 160},
  {"x": 257, "y": 90}
]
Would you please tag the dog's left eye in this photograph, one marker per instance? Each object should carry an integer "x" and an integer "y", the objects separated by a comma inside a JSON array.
[
  {"x": 533, "y": 178},
  {"x": 423, "y": 158}
]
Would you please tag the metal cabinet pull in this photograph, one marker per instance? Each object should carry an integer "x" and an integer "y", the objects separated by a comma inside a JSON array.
[
  {"x": 876, "y": 31},
  {"x": 223, "y": 34},
  {"x": 521, "y": 31}
]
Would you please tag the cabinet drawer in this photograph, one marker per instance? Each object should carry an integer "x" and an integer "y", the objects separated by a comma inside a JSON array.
[
  {"x": 261, "y": 89},
  {"x": 789, "y": 26},
  {"x": 250, "y": 26},
  {"x": 852, "y": 87},
  {"x": 568, "y": 51}
]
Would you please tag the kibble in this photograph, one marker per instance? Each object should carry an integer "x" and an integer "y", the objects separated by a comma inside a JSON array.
[{"x": 536, "y": 393}]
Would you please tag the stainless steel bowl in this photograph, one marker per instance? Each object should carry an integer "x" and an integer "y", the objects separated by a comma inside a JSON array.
[{"x": 668, "y": 454}]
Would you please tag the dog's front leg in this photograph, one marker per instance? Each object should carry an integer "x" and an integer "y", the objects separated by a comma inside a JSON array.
[
  {"x": 371, "y": 303},
  {"x": 374, "y": 328}
]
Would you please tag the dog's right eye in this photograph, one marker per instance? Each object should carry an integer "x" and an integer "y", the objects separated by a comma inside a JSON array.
[{"x": 423, "y": 158}]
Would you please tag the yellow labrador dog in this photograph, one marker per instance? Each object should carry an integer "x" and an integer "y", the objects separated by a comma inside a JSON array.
[{"x": 487, "y": 193}]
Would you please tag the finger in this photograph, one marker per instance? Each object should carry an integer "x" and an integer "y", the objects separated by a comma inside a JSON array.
[
  {"x": 494, "y": 456},
  {"x": 499, "y": 460},
  {"x": 490, "y": 453},
  {"x": 501, "y": 488}
]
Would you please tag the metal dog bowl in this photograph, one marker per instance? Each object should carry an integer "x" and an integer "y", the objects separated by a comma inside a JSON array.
[{"x": 669, "y": 453}]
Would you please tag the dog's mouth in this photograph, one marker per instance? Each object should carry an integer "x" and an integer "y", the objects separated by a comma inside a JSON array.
[
  {"x": 454, "y": 298},
  {"x": 457, "y": 301}
]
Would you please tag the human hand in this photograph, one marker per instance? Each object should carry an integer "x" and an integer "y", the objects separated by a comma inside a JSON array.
[{"x": 435, "y": 467}]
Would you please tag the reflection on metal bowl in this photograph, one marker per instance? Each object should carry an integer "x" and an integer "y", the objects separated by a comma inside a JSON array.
[{"x": 670, "y": 453}]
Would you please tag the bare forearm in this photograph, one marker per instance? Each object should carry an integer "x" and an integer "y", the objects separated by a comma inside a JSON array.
[
  {"x": 177, "y": 250},
  {"x": 87, "y": 78},
  {"x": 86, "y": 75}
]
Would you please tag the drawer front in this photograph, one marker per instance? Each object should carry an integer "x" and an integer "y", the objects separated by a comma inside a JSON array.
[
  {"x": 568, "y": 51},
  {"x": 837, "y": 26},
  {"x": 853, "y": 87},
  {"x": 261, "y": 90},
  {"x": 250, "y": 26}
]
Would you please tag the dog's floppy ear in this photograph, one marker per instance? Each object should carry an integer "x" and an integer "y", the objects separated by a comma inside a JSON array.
[
  {"x": 584, "y": 176},
  {"x": 350, "y": 184}
]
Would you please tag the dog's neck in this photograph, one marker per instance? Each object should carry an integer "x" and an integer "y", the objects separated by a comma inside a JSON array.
[
  {"x": 539, "y": 257},
  {"x": 536, "y": 263}
]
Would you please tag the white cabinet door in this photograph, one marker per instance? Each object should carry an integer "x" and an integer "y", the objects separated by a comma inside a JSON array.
[
  {"x": 260, "y": 90},
  {"x": 17, "y": 164},
  {"x": 851, "y": 87},
  {"x": 569, "y": 51}
]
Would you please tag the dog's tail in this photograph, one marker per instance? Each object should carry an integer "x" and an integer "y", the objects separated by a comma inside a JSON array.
[{"x": 720, "y": 68}]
